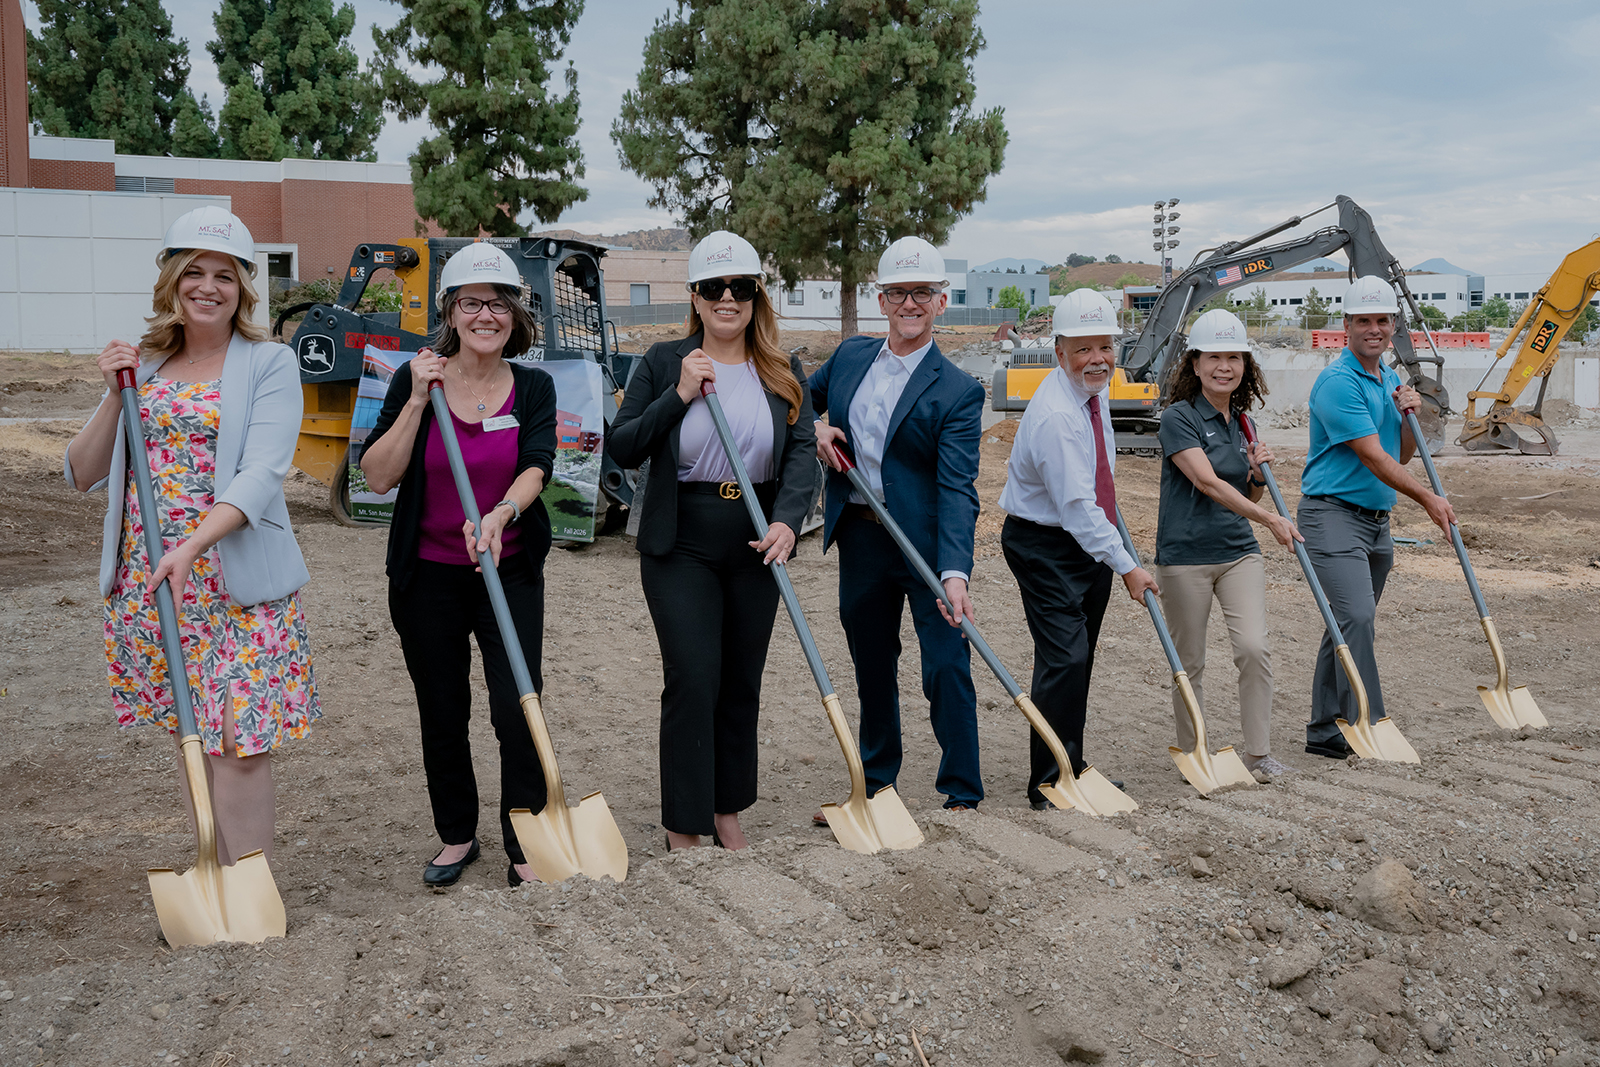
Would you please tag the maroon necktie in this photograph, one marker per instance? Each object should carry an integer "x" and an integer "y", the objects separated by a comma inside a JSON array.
[{"x": 1105, "y": 493}]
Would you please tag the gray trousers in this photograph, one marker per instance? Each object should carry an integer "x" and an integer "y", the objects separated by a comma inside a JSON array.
[{"x": 1352, "y": 556}]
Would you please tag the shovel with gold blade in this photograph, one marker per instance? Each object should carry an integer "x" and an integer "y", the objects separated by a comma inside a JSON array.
[
  {"x": 209, "y": 902},
  {"x": 862, "y": 823},
  {"x": 1206, "y": 771},
  {"x": 559, "y": 841},
  {"x": 1089, "y": 792},
  {"x": 1380, "y": 740}
]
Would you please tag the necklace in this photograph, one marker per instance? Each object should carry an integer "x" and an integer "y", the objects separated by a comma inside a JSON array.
[{"x": 483, "y": 397}]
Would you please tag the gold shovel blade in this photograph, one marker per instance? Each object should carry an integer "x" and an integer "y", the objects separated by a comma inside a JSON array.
[
  {"x": 870, "y": 824},
  {"x": 1090, "y": 792},
  {"x": 1381, "y": 740},
  {"x": 1210, "y": 773},
  {"x": 561, "y": 843},
  {"x": 1513, "y": 709},
  {"x": 210, "y": 902}
]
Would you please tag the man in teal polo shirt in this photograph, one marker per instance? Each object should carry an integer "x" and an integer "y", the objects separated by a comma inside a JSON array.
[{"x": 1359, "y": 446}]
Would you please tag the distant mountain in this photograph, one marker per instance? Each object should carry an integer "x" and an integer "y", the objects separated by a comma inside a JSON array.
[
  {"x": 1438, "y": 265},
  {"x": 1325, "y": 264},
  {"x": 1022, "y": 266},
  {"x": 661, "y": 239}
]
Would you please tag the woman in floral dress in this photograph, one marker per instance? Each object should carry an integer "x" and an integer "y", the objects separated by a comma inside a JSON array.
[{"x": 221, "y": 407}]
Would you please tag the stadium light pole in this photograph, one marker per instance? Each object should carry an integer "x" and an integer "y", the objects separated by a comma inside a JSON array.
[{"x": 1165, "y": 236}]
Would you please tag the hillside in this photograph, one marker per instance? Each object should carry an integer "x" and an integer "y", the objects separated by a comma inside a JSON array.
[
  {"x": 1104, "y": 273},
  {"x": 660, "y": 239}
]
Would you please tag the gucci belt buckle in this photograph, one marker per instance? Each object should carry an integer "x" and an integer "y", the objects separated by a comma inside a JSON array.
[{"x": 729, "y": 491}]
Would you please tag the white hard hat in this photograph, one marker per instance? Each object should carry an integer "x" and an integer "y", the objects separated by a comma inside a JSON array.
[
  {"x": 1370, "y": 295},
  {"x": 1218, "y": 331},
  {"x": 213, "y": 228},
  {"x": 910, "y": 259},
  {"x": 721, "y": 254},
  {"x": 478, "y": 262},
  {"x": 1085, "y": 313}
]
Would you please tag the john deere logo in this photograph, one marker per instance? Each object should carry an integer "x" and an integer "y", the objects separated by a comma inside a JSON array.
[
  {"x": 224, "y": 230},
  {"x": 720, "y": 255},
  {"x": 316, "y": 353}
]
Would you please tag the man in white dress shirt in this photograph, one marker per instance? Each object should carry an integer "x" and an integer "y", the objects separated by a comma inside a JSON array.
[
  {"x": 911, "y": 420},
  {"x": 1060, "y": 536}
]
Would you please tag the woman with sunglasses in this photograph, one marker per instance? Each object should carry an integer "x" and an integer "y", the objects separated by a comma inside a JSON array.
[
  {"x": 505, "y": 420},
  {"x": 703, "y": 570}
]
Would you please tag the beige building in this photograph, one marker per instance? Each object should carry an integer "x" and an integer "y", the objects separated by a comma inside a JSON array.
[{"x": 636, "y": 276}]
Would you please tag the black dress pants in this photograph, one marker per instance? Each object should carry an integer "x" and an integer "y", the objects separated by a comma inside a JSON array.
[
  {"x": 434, "y": 614},
  {"x": 1064, "y": 596},
  {"x": 713, "y": 602}
]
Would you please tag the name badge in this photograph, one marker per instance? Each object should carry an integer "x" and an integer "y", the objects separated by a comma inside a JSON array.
[{"x": 500, "y": 422}]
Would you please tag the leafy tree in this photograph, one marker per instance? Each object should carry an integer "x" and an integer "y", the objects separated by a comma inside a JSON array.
[
  {"x": 1076, "y": 260},
  {"x": 506, "y": 143},
  {"x": 1257, "y": 310},
  {"x": 295, "y": 86},
  {"x": 1315, "y": 312},
  {"x": 1434, "y": 317},
  {"x": 108, "y": 68},
  {"x": 1127, "y": 279},
  {"x": 1497, "y": 310},
  {"x": 194, "y": 132},
  {"x": 1474, "y": 321},
  {"x": 1586, "y": 322},
  {"x": 818, "y": 130},
  {"x": 1113, "y": 259},
  {"x": 1060, "y": 288},
  {"x": 1011, "y": 297}
]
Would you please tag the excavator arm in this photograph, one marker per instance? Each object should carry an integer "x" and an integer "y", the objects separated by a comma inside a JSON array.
[
  {"x": 1542, "y": 325},
  {"x": 1148, "y": 356}
]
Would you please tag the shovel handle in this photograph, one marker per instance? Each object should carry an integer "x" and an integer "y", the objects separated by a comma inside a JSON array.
[
  {"x": 925, "y": 572},
  {"x": 780, "y": 573},
  {"x": 166, "y": 608},
  {"x": 1455, "y": 531}
]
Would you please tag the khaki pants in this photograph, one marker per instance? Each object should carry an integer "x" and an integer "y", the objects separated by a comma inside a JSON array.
[{"x": 1241, "y": 588}]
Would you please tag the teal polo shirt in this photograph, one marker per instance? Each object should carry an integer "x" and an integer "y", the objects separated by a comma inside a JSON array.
[{"x": 1347, "y": 403}]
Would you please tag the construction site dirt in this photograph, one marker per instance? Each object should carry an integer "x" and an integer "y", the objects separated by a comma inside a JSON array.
[{"x": 1352, "y": 913}]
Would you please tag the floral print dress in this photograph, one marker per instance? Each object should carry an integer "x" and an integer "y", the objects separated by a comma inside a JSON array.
[{"x": 255, "y": 660}]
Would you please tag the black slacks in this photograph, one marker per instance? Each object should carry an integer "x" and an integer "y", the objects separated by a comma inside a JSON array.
[
  {"x": 1064, "y": 596},
  {"x": 434, "y": 614},
  {"x": 713, "y": 603}
]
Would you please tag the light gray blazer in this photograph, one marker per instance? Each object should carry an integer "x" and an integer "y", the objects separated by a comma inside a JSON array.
[{"x": 260, "y": 423}]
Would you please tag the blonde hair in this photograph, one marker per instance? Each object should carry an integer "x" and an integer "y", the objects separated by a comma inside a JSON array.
[
  {"x": 762, "y": 349},
  {"x": 163, "y": 336}
]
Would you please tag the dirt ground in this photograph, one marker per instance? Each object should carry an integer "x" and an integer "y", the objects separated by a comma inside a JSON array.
[{"x": 1263, "y": 926}]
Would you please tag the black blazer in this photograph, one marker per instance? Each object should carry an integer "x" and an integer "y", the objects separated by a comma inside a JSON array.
[
  {"x": 533, "y": 404},
  {"x": 647, "y": 425}
]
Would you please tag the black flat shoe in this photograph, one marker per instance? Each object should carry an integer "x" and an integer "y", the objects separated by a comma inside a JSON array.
[
  {"x": 438, "y": 875},
  {"x": 1333, "y": 748},
  {"x": 513, "y": 879}
]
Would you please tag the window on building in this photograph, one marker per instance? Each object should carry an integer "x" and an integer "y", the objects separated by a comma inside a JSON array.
[
  {"x": 126, "y": 184},
  {"x": 989, "y": 299},
  {"x": 1033, "y": 296},
  {"x": 1437, "y": 296},
  {"x": 639, "y": 293},
  {"x": 1521, "y": 296},
  {"x": 797, "y": 296},
  {"x": 280, "y": 265},
  {"x": 958, "y": 297},
  {"x": 1296, "y": 300},
  {"x": 1338, "y": 300}
]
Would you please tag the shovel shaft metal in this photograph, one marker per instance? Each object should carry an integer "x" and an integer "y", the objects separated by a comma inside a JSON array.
[
  {"x": 1455, "y": 531},
  {"x": 166, "y": 608},
  {"x": 497, "y": 597}
]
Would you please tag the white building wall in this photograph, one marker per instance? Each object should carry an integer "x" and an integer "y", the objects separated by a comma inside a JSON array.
[
  {"x": 77, "y": 267},
  {"x": 1448, "y": 292}
]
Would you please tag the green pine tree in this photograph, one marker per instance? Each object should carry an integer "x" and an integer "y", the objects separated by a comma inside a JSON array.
[
  {"x": 1315, "y": 312},
  {"x": 295, "y": 86},
  {"x": 820, "y": 130},
  {"x": 194, "y": 131},
  {"x": 107, "y": 68},
  {"x": 506, "y": 143}
]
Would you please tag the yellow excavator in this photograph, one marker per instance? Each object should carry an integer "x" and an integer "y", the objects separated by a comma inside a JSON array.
[{"x": 1542, "y": 325}]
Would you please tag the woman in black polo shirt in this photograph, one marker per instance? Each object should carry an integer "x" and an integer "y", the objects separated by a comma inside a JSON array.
[{"x": 1210, "y": 482}]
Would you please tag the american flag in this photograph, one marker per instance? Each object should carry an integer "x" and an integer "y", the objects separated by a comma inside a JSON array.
[{"x": 1230, "y": 276}]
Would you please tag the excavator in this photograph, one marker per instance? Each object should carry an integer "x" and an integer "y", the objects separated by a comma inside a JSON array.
[
  {"x": 1542, "y": 325},
  {"x": 1140, "y": 385}
]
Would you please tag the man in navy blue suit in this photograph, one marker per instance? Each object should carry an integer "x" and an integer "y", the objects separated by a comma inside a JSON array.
[{"x": 912, "y": 421}]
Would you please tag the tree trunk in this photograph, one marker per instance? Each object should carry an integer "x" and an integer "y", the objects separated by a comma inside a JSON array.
[{"x": 847, "y": 310}]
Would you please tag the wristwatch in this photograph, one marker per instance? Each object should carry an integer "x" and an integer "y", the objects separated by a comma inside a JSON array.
[{"x": 516, "y": 512}]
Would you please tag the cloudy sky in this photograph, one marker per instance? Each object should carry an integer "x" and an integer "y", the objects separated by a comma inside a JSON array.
[{"x": 1468, "y": 128}]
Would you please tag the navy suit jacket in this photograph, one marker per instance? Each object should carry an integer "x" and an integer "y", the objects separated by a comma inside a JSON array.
[{"x": 931, "y": 459}]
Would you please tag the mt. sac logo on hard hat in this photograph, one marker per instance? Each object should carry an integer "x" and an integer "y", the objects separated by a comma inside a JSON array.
[
  {"x": 1092, "y": 315},
  {"x": 721, "y": 255},
  {"x": 486, "y": 264},
  {"x": 223, "y": 230},
  {"x": 1372, "y": 298},
  {"x": 913, "y": 260},
  {"x": 1228, "y": 332}
]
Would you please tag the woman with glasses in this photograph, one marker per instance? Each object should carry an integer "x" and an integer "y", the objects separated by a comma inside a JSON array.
[
  {"x": 505, "y": 420},
  {"x": 703, "y": 570}
]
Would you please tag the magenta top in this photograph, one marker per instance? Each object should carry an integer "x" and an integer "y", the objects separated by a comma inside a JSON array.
[{"x": 491, "y": 460}]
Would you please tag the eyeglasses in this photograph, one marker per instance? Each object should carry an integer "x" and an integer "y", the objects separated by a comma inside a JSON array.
[
  {"x": 743, "y": 289},
  {"x": 471, "y": 305},
  {"x": 922, "y": 295}
]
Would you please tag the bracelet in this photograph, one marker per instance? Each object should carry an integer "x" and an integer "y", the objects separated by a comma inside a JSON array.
[
  {"x": 516, "y": 512},
  {"x": 1258, "y": 485}
]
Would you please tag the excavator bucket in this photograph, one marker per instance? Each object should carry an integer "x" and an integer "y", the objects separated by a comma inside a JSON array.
[
  {"x": 1203, "y": 770},
  {"x": 1511, "y": 709},
  {"x": 1381, "y": 740}
]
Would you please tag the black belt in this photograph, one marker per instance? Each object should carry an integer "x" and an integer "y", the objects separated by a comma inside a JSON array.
[
  {"x": 861, "y": 511},
  {"x": 1365, "y": 513},
  {"x": 726, "y": 490}
]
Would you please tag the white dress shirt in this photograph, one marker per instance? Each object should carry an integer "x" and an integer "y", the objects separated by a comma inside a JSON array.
[
  {"x": 870, "y": 411},
  {"x": 1050, "y": 476}
]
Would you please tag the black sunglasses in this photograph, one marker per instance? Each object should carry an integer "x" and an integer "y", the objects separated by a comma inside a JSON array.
[{"x": 743, "y": 289}]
